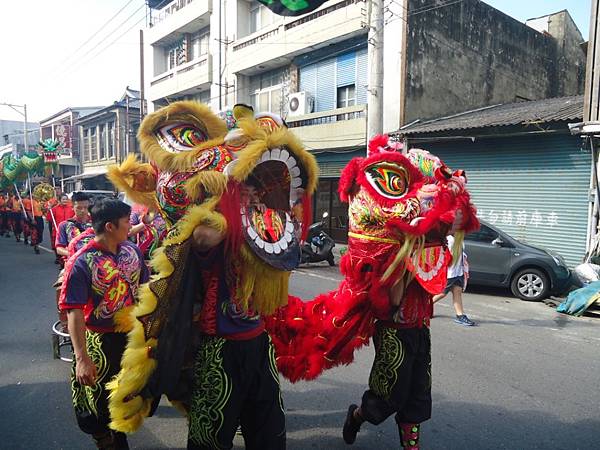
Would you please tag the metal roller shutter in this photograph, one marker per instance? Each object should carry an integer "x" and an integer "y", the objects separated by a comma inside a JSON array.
[
  {"x": 533, "y": 187},
  {"x": 361, "y": 77},
  {"x": 346, "y": 69}
]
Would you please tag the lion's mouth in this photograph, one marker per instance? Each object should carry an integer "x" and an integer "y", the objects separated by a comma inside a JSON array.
[{"x": 270, "y": 215}]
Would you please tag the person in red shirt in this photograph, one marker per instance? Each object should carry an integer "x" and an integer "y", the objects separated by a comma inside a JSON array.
[{"x": 56, "y": 215}]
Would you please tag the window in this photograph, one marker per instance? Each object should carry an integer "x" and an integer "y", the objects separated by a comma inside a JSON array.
[
  {"x": 260, "y": 17},
  {"x": 86, "y": 145},
  {"x": 266, "y": 91},
  {"x": 254, "y": 17},
  {"x": 175, "y": 55},
  {"x": 93, "y": 144},
  {"x": 102, "y": 142},
  {"x": 484, "y": 234},
  {"x": 199, "y": 44},
  {"x": 111, "y": 140},
  {"x": 346, "y": 96}
]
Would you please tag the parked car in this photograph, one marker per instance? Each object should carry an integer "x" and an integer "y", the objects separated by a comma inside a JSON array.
[
  {"x": 497, "y": 259},
  {"x": 93, "y": 193}
]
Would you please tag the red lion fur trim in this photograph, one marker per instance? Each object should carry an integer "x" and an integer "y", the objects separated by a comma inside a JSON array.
[
  {"x": 431, "y": 220},
  {"x": 317, "y": 335},
  {"x": 229, "y": 206},
  {"x": 347, "y": 187},
  {"x": 377, "y": 144},
  {"x": 307, "y": 214}
]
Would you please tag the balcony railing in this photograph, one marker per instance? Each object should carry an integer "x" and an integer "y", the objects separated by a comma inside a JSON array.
[
  {"x": 158, "y": 16},
  {"x": 325, "y": 117},
  {"x": 276, "y": 29},
  {"x": 191, "y": 65}
]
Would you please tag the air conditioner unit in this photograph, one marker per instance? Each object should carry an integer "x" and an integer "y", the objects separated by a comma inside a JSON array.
[{"x": 300, "y": 103}]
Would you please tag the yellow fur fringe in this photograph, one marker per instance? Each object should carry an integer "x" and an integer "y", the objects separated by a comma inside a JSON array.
[
  {"x": 215, "y": 183},
  {"x": 268, "y": 287},
  {"x": 127, "y": 177},
  {"x": 261, "y": 140},
  {"x": 136, "y": 363}
]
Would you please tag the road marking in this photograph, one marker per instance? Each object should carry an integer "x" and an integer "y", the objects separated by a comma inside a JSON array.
[
  {"x": 323, "y": 277},
  {"x": 45, "y": 249}
]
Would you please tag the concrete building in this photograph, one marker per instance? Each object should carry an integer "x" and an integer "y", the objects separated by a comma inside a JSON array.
[
  {"x": 11, "y": 133},
  {"x": 62, "y": 127},
  {"x": 440, "y": 58},
  {"x": 107, "y": 136}
]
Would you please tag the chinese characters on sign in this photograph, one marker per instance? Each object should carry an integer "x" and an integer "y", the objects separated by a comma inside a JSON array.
[{"x": 519, "y": 218}]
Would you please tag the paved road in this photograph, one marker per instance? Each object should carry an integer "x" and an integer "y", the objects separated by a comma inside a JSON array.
[{"x": 525, "y": 378}]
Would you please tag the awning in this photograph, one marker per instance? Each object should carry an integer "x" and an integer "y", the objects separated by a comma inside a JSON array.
[{"x": 83, "y": 176}]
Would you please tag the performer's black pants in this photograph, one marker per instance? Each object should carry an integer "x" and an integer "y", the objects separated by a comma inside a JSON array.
[
  {"x": 236, "y": 383},
  {"x": 34, "y": 230},
  {"x": 400, "y": 380},
  {"x": 16, "y": 223},
  {"x": 3, "y": 221},
  {"x": 91, "y": 402}
]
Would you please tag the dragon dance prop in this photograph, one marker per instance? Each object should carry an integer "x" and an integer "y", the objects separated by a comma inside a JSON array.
[
  {"x": 15, "y": 169},
  {"x": 49, "y": 149},
  {"x": 216, "y": 171}
]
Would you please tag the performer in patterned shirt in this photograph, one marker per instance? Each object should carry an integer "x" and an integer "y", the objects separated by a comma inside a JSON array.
[
  {"x": 71, "y": 228},
  {"x": 101, "y": 279}
]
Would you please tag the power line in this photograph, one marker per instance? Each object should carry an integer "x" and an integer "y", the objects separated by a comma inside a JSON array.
[
  {"x": 77, "y": 64},
  {"x": 95, "y": 34},
  {"x": 394, "y": 17},
  {"x": 83, "y": 63}
]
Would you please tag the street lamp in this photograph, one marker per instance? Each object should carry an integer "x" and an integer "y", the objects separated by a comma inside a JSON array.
[{"x": 24, "y": 114}]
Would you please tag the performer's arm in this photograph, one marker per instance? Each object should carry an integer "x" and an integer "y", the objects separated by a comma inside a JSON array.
[
  {"x": 74, "y": 298},
  {"x": 136, "y": 229},
  {"x": 85, "y": 370}
]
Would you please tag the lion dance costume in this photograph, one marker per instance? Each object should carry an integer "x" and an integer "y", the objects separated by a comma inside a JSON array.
[
  {"x": 204, "y": 313},
  {"x": 197, "y": 333}
]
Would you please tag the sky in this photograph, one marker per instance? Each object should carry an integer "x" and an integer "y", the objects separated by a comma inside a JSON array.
[{"x": 59, "y": 53}]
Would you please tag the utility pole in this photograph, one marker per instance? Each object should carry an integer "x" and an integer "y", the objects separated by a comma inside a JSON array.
[
  {"x": 126, "y": 124},
  {"x": 592, "y": 80},
  {"x": 141, "y": 75},
  {"x": 25, "y": 127},
  {"x": 375, "y": 61}
]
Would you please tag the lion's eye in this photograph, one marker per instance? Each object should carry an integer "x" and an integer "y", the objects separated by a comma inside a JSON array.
[
  {"x": 389, "y": 180},
  {"x": 181, "y": 137}
]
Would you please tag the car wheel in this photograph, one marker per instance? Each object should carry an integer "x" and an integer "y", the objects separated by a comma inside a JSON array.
[{"x": 530, "y": 284}]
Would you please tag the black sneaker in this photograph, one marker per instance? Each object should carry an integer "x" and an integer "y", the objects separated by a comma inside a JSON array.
[
  {"x": 464, "y": 320},
  {"x": 351, "y": 426}
]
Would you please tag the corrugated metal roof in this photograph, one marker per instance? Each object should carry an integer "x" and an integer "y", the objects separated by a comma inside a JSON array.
[{"x": 520, "y": 113}]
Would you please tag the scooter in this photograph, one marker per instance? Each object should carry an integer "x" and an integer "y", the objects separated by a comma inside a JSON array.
[{"x": 318, "y": 245}]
